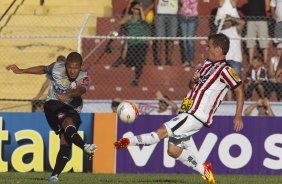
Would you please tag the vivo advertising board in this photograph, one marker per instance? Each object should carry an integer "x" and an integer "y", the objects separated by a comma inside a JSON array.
[
  {"x": 28, "y": 144},
  {"x": 257, "y": 149}
]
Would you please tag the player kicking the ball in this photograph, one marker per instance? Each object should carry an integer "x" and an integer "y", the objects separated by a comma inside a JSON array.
[
  {"x": 209, "y": 85},
  {"x": 63, "y": 105}
]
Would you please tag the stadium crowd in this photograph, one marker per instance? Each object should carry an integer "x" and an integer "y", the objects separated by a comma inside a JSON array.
[{"x": 250, "y": 56}]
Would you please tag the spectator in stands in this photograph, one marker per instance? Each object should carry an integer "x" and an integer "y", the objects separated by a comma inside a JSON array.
[
  {"x": 212, "y": 26},
  {"x": 166, "y": 26},
  {"x": 278, "y": 74},
  {"x": 47, "y": 81},
  {"x": 115, "y": 103},
  {"x": 229, "y": 23},
  {"x": 275, "y": 86},
  {"x": 257, "y": 80},
  {"x": 137, "y": 48},
  {"x": 147, "y": 5},
  {"x": 262, "y": 106},
  {"x": 164, "y": 104},
  {"x": 257, "y": 27},
  {"x": 188, "y": 21},
  {"x": 276, "y": 11},
  {"x": 37, "y": 106}
]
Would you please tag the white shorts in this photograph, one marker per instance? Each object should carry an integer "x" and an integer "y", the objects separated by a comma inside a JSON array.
[{"x": 182, "y": 126}]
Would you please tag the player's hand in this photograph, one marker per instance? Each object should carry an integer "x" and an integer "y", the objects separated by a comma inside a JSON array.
[
  {"x": 64, "y": 97},
  {"x": 196, "y": 76},
  {"x": 14, "y": 68},
  {"x": 238, "y": 123}
]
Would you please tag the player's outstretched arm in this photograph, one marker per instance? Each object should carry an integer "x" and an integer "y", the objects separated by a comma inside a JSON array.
[
  {"x": 238, "y": 123},
  {"x": 31, "y": 70}
]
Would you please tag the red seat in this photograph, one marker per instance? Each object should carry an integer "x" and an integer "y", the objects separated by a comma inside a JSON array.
[
  {"x": 115, "y": 82},
  {"x": 119, "y": 6}
]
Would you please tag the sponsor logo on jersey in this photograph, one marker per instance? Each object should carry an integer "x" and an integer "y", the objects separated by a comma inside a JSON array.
[
  {"x": 65, "y": 83},
  {"x": 186, "y": 104},
  {"x": 85, "y": 81},
  {"x": 233, "y": 74}
]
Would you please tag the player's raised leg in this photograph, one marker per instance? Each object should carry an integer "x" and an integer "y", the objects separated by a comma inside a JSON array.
[
  {"x": 70, "y": 126},
  {"x": 179, "y": 130},
  {"x": 146, "y": 139},
  {"x": 153, "y": 137}
]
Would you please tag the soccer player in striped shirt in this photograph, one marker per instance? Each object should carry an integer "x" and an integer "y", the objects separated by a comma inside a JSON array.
[{"x": 209, "y": 85}]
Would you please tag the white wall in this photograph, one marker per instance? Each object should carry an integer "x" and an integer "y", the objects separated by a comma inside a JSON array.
[{"x": 225, "y": 109}]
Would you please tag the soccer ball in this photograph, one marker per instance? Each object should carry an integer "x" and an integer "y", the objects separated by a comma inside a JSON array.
[{"x": 127, "y": 111}]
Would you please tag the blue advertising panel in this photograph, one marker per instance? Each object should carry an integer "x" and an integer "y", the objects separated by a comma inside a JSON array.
[
  {"x": 255, "y": 150},
  {"x": 28, "y": 144}
]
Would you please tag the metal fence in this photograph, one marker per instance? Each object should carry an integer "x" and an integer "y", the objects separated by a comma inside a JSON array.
[{"x": 127, "y": 62}]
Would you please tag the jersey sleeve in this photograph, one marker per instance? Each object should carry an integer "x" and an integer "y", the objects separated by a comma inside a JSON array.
[
  {"x": 49, "y": 68},
  {"x": 84, "y": 80},
  {"x": 229, "y": 77}
]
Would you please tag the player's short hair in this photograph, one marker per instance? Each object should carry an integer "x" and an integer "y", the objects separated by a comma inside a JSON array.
[
  {"x": 222, "y": 41},
  {"x": 74, "y": 57}
]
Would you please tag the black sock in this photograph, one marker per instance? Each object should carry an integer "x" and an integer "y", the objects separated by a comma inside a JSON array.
[
  {"x": 62, "y": 159},
  {"x": 72, "y": 135}
]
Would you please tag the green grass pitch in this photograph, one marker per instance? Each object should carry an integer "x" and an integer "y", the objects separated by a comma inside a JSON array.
[{"x": 88, "y": 178}]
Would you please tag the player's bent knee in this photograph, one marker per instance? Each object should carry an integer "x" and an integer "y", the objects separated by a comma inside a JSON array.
[
  {"x": 67, "y": 121},
  {"x": 162, "y": 132},
  {"x": 174, "y": 151}
]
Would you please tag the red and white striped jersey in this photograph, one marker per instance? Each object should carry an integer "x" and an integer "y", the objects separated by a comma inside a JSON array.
[{"x": 208, "y": 92}]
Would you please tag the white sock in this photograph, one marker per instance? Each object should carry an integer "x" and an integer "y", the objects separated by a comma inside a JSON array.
[
  {"x": 188, "y": 158},
  {"x": 144, "y": 139}
]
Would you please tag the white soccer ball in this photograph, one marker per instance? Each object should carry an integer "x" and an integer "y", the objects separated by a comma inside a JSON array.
[{"x": 127, "y": 112}]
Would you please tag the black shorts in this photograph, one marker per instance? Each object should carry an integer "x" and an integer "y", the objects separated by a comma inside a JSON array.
[{"x": 55, "y": 113}]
